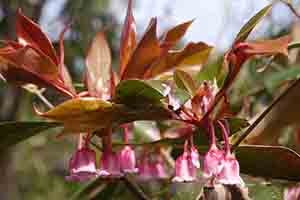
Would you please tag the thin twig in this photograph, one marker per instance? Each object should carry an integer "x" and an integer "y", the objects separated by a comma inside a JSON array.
[
  {"x": 44, "y": 99},
  {"x": 262, "y": 116},
  {"x": 290, "y": 6},
  {"x": 135, "y": 188}
]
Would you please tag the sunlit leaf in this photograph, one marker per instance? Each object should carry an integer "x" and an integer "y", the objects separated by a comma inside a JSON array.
[
  {"x": 192, "y": 54},
  {"x": 249, "y": 26},
  {"x": 184, "y": 81},
  {"x": 98, "y": 68},
  {"x": 15, "y": 132},
  {"x": 30, "y": 33},
  {"x": 128, "y": 38},
  {"x": 63, "y": 70},
  {"x": 273, "y": 46},
  {"x": 82, "y": 114},
  {"x": 173, "y": 35},
  {"x": 146, "y": 51}
]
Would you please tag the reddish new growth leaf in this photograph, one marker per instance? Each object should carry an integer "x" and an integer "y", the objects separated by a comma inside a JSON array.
[
  {"x": 32, "y": 59},
  {"x": 175, "y": 34},
  {"x": 152, "y": 56},
  {"x": 145, "y": 53},
  {"x": 29, "y": 33},
  {"x": 242, "y": 51},
  {"x": 99, "y": 77},
  {"x": 128, "y": 38}
]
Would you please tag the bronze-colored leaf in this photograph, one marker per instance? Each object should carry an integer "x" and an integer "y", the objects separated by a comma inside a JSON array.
[
  {"x": 29, "y": 33},
  {"x": 91, "y": 114},
  {"x": 269, "y": 47},
  {"x": 173, "y": 35},
  {"x": 82, "y": 114},
  {"x": 192, "y": 54},
  {"x": 128, "y": 38},
  {"x": 147, "y": 50},
  {"x": 63, "y": 70},
  {"x": 98, "y": 68},
  {"x": 22, "y": 65}
]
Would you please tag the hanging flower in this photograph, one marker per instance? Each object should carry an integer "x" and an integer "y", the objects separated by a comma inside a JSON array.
[
  {"x": 158, "y": 168},
  {"x": 145, "y": 169},
  {"x": 110, "y": 164},
  {"x": 128, "y": 160},
  {"x": 230, "y": 172},
  {"x": 292, "y": 193},
  {"x": 82, "y": 165},
  {"x": 213, "y": 162},
  {"x": 185, "y": 169}
]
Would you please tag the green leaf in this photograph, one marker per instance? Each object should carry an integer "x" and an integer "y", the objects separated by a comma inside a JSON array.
[
  {"x": 274, "y": 162},
  {"x": 178, "y": 97},
  {"x": 135, "y": 91},
  {"x": 15, "y": 132},
  {"x": 184, "y": 81},
  {"x": 275, "y": 79},
  {"x": 210, "y": 72},
  {"x": 236, "y": 124},
  {"x": 249, "y": 26}
]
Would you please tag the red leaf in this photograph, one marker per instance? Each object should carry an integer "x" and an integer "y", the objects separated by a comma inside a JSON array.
[
  {"x": 128, "y": 38},
  {"x": 267, "y": 47},
  {"x": 28, "y": 32},
  {"x": 23, "y": 65},
  {"x": 63, "y": 71},
  {"x": 147, "y": 50},
  {"x": 98, "y": 68}
]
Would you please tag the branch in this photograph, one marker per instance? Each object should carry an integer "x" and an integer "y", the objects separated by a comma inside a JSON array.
[{"x": 134, "y": 187}]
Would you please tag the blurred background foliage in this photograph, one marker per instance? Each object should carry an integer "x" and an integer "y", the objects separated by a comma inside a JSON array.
[{"x": 35, "y": 169}]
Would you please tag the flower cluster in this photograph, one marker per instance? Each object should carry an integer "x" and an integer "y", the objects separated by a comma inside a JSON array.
[{"x": 113, "y": 101}]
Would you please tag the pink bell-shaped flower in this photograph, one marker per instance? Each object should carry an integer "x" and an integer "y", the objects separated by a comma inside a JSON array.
[
  {"x": 128, "y": 160},
  {"x": 145, "y": 169},
  {"x": 213, "y": 162},
  {"x": 230, "y": 172},
  {"x": 185, "y": 170},
  {"x": 292, "y": 193},
  {"x": 159, "y": 169},
  {"x": 195, "y": 156},
  {"x": 82, "y": 165},
  {"x": 110, "y": 164}
]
